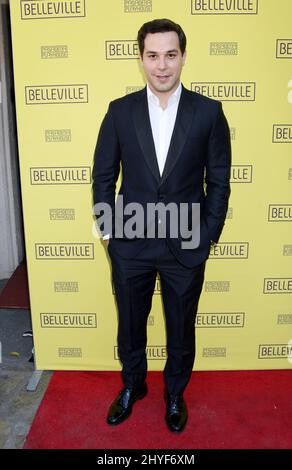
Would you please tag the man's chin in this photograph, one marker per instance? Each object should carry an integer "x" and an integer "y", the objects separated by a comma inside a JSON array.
[{"x": 163, "y": 87}]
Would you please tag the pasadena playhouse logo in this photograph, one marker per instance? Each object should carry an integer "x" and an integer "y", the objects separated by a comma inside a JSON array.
[
  {"x": 217, "y": 286},
  {"x": 287, "y": 250},
  {"x": 51, "y": 9},
  {"x": 226, "y": 91},
  {"x": 137, "y": 6},
  {"x": 68, "y": 320},
  {"x": 66, "y": 286},
  {"x": 132, "y": 88},
  {"x": 284, "y": 319},
  {"x": 214, "y": 352},
  {"x": 75, "y": 352},
  {"x": 58, "y": 135},
  {"x": 232, "y": 133},
  {"x": 56, "y": 94},
  {"x": 223, "y": 48},
  {"x": 224, "y": 7},
  {"x": 62, "y": 213},
  {"x": 54, "y": 52}
]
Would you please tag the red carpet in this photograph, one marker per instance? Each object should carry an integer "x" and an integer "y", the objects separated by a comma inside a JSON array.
[
  {"x": 227, "y": 410},
  {"x": 15, "y": 293}
]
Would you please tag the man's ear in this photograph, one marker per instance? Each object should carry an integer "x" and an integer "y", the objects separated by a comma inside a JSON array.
[{"x": 184, "y": 57}]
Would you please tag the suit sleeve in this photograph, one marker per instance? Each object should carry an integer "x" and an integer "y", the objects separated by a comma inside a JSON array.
[
  {"x": 106, "y": 166},
  {"x": 217, "y": 177}
]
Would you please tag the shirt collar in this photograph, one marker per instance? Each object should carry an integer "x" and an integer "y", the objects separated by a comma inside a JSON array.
[{"x": 174, "y": 97}]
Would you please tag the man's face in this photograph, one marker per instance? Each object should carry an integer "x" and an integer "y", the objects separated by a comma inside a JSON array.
[{"x": 162, "y": 61}]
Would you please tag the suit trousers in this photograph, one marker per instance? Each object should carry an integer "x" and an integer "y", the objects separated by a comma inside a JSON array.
[{"x": 134, "y": 283}]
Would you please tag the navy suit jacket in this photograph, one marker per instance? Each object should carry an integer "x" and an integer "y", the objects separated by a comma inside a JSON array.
[{"x": 197, "y": 167}]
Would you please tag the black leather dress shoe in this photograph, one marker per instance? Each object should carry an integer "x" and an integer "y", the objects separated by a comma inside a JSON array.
[
  {"x": 121, "y": 407},
  {"x": 176, "y": 412}
]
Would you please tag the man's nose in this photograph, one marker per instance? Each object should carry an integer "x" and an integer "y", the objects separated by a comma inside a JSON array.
[{"x": 161, "y": 63}]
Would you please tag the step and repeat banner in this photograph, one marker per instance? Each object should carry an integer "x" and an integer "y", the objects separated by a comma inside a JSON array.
[{"x": 70, "y": 59}]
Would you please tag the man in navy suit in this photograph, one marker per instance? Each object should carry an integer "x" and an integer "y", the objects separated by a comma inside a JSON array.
[{"x": 173, "y": 146}]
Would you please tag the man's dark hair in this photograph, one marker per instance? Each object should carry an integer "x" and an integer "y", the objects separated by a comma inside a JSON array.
[{"x": 161, "y": 26}]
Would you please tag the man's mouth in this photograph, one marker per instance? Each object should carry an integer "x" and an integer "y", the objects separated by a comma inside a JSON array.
[{"x": 162, "y": 77}]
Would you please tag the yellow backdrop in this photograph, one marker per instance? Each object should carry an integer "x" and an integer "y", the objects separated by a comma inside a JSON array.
[{"x": 70, "y": 59}]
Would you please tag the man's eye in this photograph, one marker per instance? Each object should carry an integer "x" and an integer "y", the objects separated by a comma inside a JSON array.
[{"x": 171, "y": 56}]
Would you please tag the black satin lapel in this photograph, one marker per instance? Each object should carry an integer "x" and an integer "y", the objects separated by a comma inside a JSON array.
[
  {"x": 181, "y": 129},
  {"x": 144, "y": 133}
]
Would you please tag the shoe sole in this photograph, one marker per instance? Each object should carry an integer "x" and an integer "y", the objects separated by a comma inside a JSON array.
[{"x": 175, "y": 430}]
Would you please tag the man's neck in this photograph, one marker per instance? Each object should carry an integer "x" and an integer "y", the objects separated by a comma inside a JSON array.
[{"x": 164, "y": 97}]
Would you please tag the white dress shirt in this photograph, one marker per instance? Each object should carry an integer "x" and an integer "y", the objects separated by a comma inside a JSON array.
[{"x": 162, "y": 124}]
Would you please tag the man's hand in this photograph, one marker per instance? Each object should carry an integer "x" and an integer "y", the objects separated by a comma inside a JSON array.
[{"x": 106, "y": 239}]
